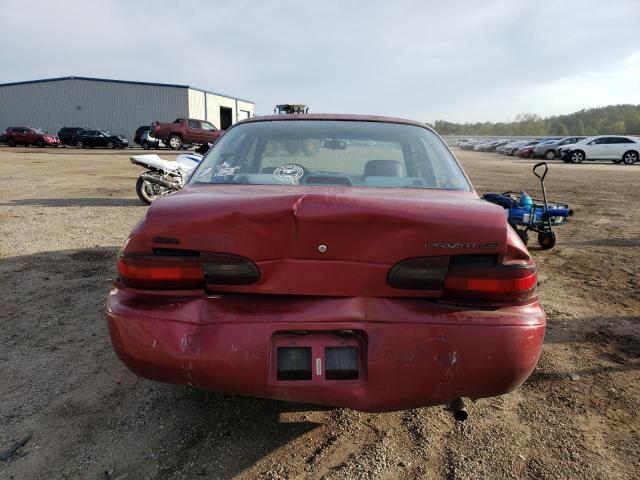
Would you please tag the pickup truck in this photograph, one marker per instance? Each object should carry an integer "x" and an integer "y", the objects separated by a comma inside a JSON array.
[{"x": 185, "y": 131}]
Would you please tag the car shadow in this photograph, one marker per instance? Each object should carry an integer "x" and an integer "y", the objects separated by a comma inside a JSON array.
[
  {"x": 52, "y": 312},
  {"x": 75, "y": 202},
  {"x": 607, "y": 242},
  {"x": 617, "y": 340}
]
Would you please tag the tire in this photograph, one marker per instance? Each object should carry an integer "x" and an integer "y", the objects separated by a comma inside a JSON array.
[
  {"x": 79, "y": 144},
  {"x": 577, "y": 156},
  {"x": 550, "y": 154},
  {"x": 145, "y": 145},
  {"x": 142, "y": 192},
  {"x": 110, "y": 145},
  {"x": 11, "y": 142},
  {"x": 524, "y": 235},
  {"x": 175, "y": 142},
  {"x": 630, "y": 157},
  {"x": 547, "y": 240},
  {"x": 39, "y": 143}
]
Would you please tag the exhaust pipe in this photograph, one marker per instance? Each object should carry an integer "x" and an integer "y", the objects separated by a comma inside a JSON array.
[
  {"x": 459, "y": 409},
  {"x": 159, "y": 180}
]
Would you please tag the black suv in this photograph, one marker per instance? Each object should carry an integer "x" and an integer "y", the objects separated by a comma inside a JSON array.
[
  {"x": 99, "y": 138},
  {"x": 67, "y": 134}
]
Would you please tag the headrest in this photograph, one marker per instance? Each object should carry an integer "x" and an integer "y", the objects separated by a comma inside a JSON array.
[{"x": 383, "y": 168}]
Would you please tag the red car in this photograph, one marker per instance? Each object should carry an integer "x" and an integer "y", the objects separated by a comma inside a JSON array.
[
  {"x": 526, "y": 152},
  {"x": 364, "y": 272},
  {"x": 30, "y": 136}
]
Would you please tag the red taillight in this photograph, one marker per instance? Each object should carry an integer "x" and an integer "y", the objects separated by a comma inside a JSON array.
[
  {"x": 498, "y": 284},
  {"x": 160, "y": 272},
  {"x": 469, "y": 278},
  {"x": 172, "y": 269}
]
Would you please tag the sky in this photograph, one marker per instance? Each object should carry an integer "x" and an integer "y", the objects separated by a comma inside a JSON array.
[{"x": 456, "y": 60}]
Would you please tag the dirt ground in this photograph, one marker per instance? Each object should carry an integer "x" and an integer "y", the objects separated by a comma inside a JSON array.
[{"x": 65, "y": 213}]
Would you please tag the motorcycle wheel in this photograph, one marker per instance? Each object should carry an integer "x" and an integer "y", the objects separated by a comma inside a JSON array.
[{"x": 143, "y": 189}]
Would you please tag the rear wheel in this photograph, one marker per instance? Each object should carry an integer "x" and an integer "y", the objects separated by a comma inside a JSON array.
[
  {"x": 110, "y": 145},
  {"x": 577, "y": 156},
  {"x": 550, "y": 155},
  {"x": 145, "y": 191},
  {"x": 11, "y": 142},
  {"x": 547, "y": 240},
  {"x": 79, "y": 144},
  {"x": 630, "y": 157},
  {"x": 146, "y": 145},
  {"x": 175, "y": 142}
]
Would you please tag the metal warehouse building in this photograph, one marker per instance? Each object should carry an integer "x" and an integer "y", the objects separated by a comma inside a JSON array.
[{"x": 118, "y": 106}]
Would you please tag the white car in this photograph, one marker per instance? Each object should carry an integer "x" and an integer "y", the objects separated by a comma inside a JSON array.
[{"x": 617, "y": 148}]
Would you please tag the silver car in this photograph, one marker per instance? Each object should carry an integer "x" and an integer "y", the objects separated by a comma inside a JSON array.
[{"x": 549, "y": 151}]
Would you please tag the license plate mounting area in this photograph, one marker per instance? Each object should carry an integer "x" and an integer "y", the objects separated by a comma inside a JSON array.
[{"x": 312, "y": 358}]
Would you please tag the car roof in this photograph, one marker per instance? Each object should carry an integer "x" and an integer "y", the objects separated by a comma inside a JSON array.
[{"x": 335, "y": 117}]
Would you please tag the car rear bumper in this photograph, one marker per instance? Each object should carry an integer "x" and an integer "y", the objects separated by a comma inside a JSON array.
[{"x": 411, "y": 352}]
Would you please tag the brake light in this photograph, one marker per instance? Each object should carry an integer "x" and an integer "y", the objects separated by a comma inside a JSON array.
[
  {"x": 469, "y": 277},
  {"x": 500, "y": 283},
  {"x": 175, "y": 269},
  {"x": 160, "y": 272}
]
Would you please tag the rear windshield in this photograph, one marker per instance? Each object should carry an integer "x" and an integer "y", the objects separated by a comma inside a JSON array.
[{"x": 329, "y": 152}]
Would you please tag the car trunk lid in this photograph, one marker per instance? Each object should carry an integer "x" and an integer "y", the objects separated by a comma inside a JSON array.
[{"x": 327, "y": 240}]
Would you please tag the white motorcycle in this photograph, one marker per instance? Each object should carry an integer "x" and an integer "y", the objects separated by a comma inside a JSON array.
[{"x": 162, "y": 176}]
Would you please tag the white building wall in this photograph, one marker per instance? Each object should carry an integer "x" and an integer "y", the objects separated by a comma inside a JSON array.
[
  {"x": 197, "y": 105},
  {"x": 117, "y": 107},
  {"x": 214, "y": 102}
]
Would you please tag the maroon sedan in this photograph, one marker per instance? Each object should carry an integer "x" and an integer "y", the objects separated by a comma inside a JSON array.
[{"x": 330, "y": 259}]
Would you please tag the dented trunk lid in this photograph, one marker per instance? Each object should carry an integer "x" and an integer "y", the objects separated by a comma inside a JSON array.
[{"x": 336, "y": 241}]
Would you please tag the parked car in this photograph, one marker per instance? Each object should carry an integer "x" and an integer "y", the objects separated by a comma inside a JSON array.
[
  {"x": 549, "y": 150},
  {"x": 492, "y": 145},
  {"x": 525, "y": 152},
  {"x": 3, "y": 137},
  {"x": 30, "y": 136},
  {"x": 468, "y": 145},
  {"x": 185, "y": 131},
  {"x": 460, "y": 141},
  {"x": 260, "y": 276},
  {"x": 137, "y": 138},
  {"x": 67, "y": 135},
  {"x": 527, "y": 143},
  {"x": 617, "y": 148},
  {"x": 99, "y": 138}
]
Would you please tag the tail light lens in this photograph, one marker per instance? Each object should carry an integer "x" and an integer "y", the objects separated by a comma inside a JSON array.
[
  {"x": 230, "y": 270},
  {"x": 422, "y": 273},
  {"x": 501, "y": 283},
  {"x": 160, "y": 272},
  {"x": 469, "y": 277},
  {"x": 172, "y": 269}
]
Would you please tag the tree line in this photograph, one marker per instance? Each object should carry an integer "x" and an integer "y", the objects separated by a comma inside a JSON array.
[{"x": 612, "y": 119}]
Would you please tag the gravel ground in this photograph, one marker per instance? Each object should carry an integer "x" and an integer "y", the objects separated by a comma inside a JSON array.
[{"x": 63, "y": 216}]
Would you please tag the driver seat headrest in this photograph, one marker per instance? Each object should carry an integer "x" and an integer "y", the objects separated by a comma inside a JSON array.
[{"x": 383, "y": 168}]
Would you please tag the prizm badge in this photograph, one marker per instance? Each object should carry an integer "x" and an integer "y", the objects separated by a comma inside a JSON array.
[{"x": 460, "y": 245}]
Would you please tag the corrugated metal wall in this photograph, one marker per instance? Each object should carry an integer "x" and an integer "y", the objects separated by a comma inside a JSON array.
[{"x": 117, "y": 107}]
